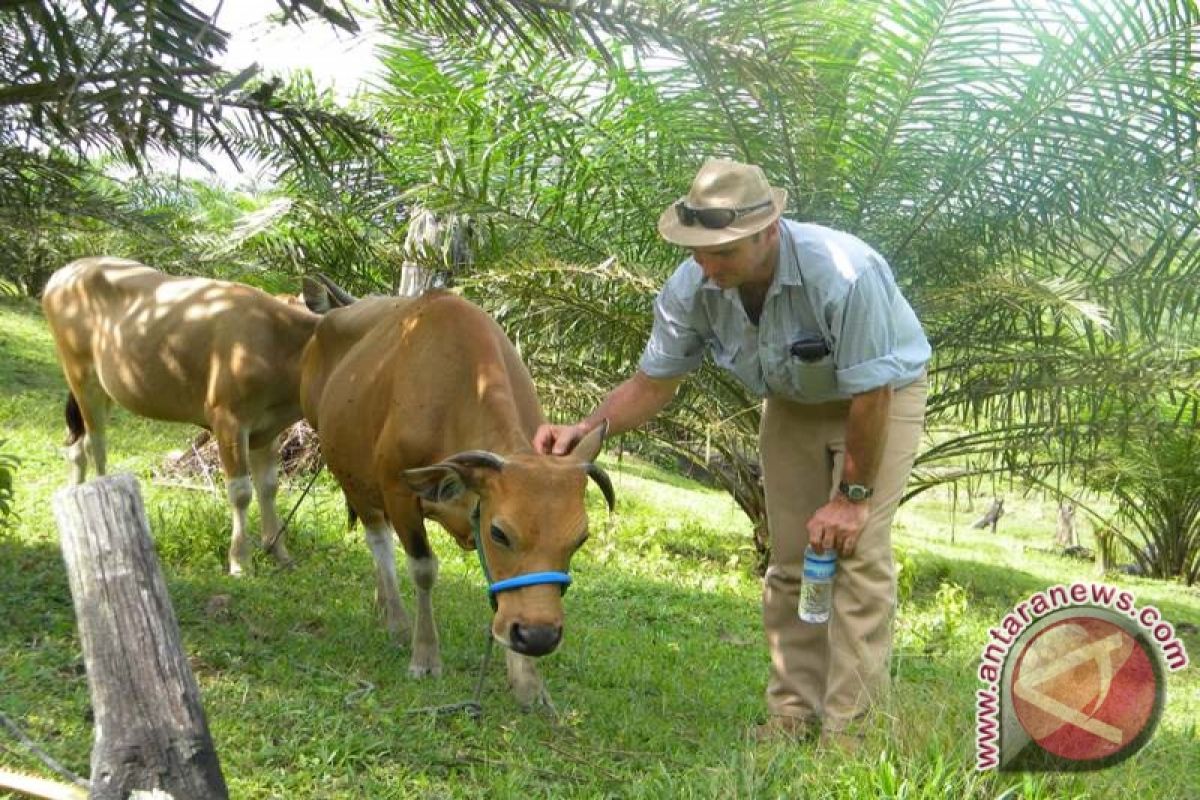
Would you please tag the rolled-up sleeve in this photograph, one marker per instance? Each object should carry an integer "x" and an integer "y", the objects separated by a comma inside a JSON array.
[
  {"x": 675, "y": 347},
  {"x": 865, "y": 354}
]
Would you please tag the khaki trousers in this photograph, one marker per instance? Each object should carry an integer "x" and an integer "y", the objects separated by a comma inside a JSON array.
[{"x": 833, "y": 672}]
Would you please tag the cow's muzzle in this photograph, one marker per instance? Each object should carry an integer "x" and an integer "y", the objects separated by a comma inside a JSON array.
[{"x": 534, "y": 640}]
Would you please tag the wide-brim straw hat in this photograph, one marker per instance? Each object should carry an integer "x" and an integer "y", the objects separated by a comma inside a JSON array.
[{"x": 724, "y": 184}]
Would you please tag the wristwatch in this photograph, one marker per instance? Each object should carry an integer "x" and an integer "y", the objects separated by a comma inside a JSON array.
[{"x": 855, "y": 492}]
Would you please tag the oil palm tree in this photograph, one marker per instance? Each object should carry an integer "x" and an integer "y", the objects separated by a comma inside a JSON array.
[
  {"x": 84, "y": 81},
  {"x": 1026, "y": 166}
]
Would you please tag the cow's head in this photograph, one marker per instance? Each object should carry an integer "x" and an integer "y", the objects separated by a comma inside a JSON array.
[{"x": 531, "y": 519}]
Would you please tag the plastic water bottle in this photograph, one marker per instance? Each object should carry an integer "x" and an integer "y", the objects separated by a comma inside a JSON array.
[{"x": 816, "y": 590}]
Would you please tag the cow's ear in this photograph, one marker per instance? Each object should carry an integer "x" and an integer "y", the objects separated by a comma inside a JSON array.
[
  {"x": 438, "y": 484},
  {"x": 589, "y": 446},
  {"x": 316, "y": 296}
]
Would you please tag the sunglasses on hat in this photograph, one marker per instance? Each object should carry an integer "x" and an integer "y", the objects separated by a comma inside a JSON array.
[{"x": 714, "y": 217}]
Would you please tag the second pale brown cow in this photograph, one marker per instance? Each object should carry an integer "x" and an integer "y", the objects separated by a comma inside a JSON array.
[
  {"x": 425, "y": 410},
  {"x": 214, "y": 353}
]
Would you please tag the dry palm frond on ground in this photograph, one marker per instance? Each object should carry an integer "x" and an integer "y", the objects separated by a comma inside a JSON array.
[{"x": 300, "y": 455}]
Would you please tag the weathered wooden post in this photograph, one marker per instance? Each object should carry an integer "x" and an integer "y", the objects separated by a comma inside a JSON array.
[{"x": 150, "y": 730}]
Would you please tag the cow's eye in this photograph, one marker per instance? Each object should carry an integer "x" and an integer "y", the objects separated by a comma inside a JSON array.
[{"x": 500, "y": 537}]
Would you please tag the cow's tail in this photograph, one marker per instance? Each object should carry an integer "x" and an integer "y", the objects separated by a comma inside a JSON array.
[
  {"x": 351, "y": 516},
  {"x": 75, "y": 428}
]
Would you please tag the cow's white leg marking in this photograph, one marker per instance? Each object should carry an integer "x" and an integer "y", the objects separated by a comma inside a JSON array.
[
  {"x": 382, "y": 541},
  {"x": 240, "y": 491},
  {"x": 233, "y": 443},
  {"x": 78, "y": 459},
  {"x": 264, "y": 470},
  {"x": 426, "y": 657},
  {"x": 93, "y": 407}
]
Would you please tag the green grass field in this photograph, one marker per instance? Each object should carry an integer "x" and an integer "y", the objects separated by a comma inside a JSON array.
[{"x": 661, "y": 671}]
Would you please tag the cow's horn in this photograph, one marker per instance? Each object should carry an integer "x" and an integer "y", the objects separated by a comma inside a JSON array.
[
  {"x": 341, "y": 295},
  {"x": 476, "y": 458},
  {"x": 601, "y": 478}
]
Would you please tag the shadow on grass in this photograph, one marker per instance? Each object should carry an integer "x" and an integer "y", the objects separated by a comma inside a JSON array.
[
  {"x": 1000, "y": 588},
  {"x": 296, "y": 663}
]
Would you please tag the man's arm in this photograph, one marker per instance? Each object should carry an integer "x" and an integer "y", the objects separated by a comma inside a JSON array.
[
  {"x": 866, "y": 430},
  {"x": 838, "y": 524},
  {"x": 626, "y": 407}
]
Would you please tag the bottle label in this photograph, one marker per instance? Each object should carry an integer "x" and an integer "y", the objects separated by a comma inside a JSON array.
[{"x": 819, "y": 569}]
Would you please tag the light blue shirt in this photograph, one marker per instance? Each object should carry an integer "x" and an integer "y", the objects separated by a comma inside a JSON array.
[{"x": 827, "y": 283}]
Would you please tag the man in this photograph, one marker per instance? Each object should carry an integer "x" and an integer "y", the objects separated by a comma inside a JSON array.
[{"x": 810, "y": 319}]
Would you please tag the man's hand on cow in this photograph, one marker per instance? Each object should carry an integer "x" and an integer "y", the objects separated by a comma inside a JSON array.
[
  {"x": 837, "y": 525},
  {"x": 558, "y": 440}
]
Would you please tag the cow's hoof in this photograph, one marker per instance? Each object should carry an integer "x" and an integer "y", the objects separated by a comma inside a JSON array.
[
  {"x": 237, "y": 570},
  {"x": 416, "y": 670}
]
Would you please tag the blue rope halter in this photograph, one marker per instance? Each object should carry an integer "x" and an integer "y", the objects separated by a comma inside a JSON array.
[{"x": 517, "y": 581}]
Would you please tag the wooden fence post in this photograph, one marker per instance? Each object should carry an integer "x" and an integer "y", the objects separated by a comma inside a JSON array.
[{"x": 150, "y": 730}]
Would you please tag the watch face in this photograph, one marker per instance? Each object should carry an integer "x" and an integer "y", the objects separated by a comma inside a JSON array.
[{"x": 856, "y": 491}]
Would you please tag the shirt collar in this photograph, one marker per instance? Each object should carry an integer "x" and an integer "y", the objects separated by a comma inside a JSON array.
[{"x": 787, "y": 271}]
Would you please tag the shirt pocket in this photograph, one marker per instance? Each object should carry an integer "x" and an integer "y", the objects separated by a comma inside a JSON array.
[{"x": 788, "y": 376}]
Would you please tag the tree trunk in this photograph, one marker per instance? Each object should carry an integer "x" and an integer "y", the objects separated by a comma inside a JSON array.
[
  {"x": 1065, "y": 535},
  {"x": 415, "y": 280},
  {"x": 437, "y": 246},
  {"x": 150, "y": 730},
  {"x": 1104, "y": 554}
]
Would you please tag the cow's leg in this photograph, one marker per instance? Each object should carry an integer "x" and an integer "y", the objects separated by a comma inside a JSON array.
[
  {"x": 525, "y": 682},
  {"x": 405, "y": 512},
  {"x": 426, "y": 657},
  {"x": 264, "y": 470},
  {"x": 233, "y": 445},
  {"x": 93, "y": 406},
  {"x": 381, "y": 538},
  {"x": 77, "y": 458}
]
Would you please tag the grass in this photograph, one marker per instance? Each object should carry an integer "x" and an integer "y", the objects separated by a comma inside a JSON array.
[{"x": 662, "y": 669}]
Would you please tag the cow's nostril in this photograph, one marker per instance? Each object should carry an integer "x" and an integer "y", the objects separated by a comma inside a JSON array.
[{"x": 534, "y": 640}]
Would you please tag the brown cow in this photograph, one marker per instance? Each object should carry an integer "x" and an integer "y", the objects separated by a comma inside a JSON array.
[
  {"x": 425, "y": 409},
  {"x": 214, "y": 353}
]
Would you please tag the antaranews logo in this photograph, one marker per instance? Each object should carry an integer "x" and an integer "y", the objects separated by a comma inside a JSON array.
[{"x": 1073, "y": 679}]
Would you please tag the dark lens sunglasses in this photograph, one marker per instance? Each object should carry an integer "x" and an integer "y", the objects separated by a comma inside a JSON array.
[{"x": 714, "y": 217}]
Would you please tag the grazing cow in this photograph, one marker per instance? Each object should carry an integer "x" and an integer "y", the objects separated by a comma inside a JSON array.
[
  {"x": 217, "y": 354},
  {"x": 425, "y": 410}
]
